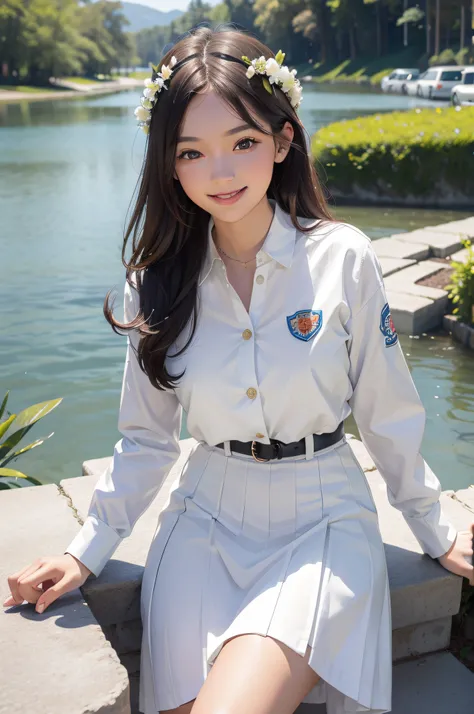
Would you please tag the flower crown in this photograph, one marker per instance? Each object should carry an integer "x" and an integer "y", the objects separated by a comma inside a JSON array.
[
  {"x": 152, "y": 88},
  {"x": 273, "y": 69},
  {"x": 278, "y": 74}
]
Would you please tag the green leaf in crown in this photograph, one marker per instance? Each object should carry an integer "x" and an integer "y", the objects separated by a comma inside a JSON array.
[
  {"x": 279, "y": 57},
  {"x": 246, "y": 59},
  {"x": 267, "y": 85}
]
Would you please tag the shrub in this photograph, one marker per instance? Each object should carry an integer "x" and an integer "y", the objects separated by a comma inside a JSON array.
[
  {"x": 446, "y": 57},
  {"x": 462, "y": 286},
  {"x": 465, "y": 56},
  {"x": 417, "y": 153}
]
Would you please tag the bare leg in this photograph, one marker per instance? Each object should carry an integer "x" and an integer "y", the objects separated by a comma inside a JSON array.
[{"x": 256, "y": 675}]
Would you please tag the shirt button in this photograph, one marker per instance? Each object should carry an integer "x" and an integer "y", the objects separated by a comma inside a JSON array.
[
  {"x": 259, "y": 436},
  {"x": 247, "y": 334},
  {"x": 251, "y": 393},
  {"x": 259, "y": 279}
]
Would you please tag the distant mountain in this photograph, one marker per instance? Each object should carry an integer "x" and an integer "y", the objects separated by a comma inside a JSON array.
[{"x": 141, "y": 16}]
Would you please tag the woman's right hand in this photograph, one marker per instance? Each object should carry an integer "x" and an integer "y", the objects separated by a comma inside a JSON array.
[{"x": 45, "y": 580}]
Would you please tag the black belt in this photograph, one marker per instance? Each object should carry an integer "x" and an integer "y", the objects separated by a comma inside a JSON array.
[{"x": 279, "y": 450}]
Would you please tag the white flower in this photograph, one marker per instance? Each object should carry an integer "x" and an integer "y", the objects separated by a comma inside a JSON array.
[
  {"x": 272, "y": 67},
  {"x": 141, "y": 113},
  {"x": 159, "y": 82},
  {"x": 150, "y": 93},
  {"x": 145, "y": 128},
  {"x": 250, "y": 71},
  {"x": 147, "y": 104},
  {"x": 260, "y": 65},
  {"x": 295, "y": 94},
  {"x": 285, "y": 77},
  {"x": 166, "y": 72},
  {"x": 148, "y": 83},
  {"x": 173, "y": 61}
]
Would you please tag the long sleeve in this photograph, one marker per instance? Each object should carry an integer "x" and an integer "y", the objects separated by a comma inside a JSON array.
[
  {"x": 149, "y": 421},
  {"x": 390, "y": 415}
]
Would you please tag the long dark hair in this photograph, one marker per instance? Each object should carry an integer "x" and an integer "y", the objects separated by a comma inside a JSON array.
[{"x": 169, "y": 231}]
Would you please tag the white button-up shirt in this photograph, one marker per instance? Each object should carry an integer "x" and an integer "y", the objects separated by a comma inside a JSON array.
[{"x": 317, "y": 344}]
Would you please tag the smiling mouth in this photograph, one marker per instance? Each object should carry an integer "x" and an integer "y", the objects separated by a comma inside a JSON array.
[{"x": 227, "y": 195}]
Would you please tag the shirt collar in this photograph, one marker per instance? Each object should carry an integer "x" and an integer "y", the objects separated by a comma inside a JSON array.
[{"x": 279, "y": 243}]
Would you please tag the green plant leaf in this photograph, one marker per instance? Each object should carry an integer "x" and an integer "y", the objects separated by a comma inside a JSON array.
[
  {"x": 12, "y": 473},
  {"x": 18, "y": 480},
  {"x": 25, "y": 420},
  {"x": 33, "y": 445},
  {"x": 246, "y": 59},
  {"x": 4, "y": 404},
  {"x": 267, "y": 85},
  {"x": 4, "y": 426}
]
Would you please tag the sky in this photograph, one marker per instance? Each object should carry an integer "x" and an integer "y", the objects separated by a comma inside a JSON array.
[{"x": 165, "y": 5}]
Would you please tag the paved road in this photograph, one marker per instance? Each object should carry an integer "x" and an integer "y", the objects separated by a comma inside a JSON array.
[{"x": 10, "y": 97}]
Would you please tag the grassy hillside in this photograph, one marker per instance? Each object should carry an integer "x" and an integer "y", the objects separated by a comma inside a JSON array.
[
  {"x": 363, "y": 69},
  {"x": 425, "y": 154}
]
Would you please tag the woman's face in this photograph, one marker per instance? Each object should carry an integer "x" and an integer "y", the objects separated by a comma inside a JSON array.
[{"x": 217, "y": 154}]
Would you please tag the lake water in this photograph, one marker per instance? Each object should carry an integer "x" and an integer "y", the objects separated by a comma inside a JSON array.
[{"x": 67, "y": 173}]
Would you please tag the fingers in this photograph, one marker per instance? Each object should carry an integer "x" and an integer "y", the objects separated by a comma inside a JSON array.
[
  {"x": 13, "y": 583},
  {"x": 45, "y": 572},
  {"x": 52, "y": 593}
]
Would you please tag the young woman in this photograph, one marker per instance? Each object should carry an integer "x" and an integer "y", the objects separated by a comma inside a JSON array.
[{"x": 267, "y": 321}]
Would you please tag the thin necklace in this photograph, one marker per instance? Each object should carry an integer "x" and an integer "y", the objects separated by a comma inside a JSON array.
[{"x": 243, "y": 262}]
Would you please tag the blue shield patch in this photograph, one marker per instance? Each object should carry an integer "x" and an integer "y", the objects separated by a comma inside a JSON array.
[
  {"x": 387, "y": 327},
  {"x": 305, "y": 324}
]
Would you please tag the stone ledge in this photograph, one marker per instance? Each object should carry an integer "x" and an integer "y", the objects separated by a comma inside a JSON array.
[
  {"x": 441, "y": 241},
  {"x": 460, "y": 331},
  {"x": 406, "y": 280},
  {"x": 394, "y": 265},
  {"x": 464, "y": 227},
  {"x": 80, "y": 672},
  {"x": 393, "y": 248},
  {"x": 413, "y": 314}
]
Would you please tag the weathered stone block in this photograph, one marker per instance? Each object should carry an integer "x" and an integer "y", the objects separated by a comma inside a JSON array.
[
  {"x": 414, "y": 314},
  {"x": 125, "y": 636},
  {"x": 419, "y": 639},
  {"x": 441, "y": 243},
  {"x": 59, "y": 661},
  {"x": 394, "y": 265},
  {"x": 402, "y": 249},
  {"x": 464, "y": 227}
]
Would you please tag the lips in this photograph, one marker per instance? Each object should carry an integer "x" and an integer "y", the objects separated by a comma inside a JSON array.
[{"x": 226, "y": 195}]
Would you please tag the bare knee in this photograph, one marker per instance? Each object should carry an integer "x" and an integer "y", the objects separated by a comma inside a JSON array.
[{"x": 183, "y": 709}]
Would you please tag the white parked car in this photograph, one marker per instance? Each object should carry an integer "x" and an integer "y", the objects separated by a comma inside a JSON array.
[
  {"x": 463, "y": 93},
  {"x": 397, "y": 81},
  {"x": 437, "y": 82}
]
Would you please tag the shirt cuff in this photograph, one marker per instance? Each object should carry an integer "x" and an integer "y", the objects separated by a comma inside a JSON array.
[
  {"x": 434, "y": 532},
  {"x": 94, "y": 544}
]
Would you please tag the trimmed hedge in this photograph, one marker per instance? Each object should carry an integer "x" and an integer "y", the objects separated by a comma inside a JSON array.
[{"x": 425, "y": 155}]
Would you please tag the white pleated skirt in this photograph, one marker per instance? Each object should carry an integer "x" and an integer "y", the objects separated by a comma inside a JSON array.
[{"x": 290, "y": 549}]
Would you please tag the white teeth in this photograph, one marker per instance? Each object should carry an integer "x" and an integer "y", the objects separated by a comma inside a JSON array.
[{"x": 227, "y": 195}]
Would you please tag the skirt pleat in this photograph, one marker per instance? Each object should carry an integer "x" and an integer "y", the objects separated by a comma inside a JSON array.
[{"x": 288, "y": 549}]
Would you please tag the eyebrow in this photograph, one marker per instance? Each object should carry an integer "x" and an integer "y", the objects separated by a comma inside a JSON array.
[{"x": 235, "y": 130}]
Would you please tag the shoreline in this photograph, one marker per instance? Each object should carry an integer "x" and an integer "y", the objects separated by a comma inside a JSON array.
[{"x": 73, "y": 91}]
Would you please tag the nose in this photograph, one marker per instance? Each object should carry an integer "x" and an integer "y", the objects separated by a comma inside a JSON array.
[{"x": 222, "y": 170}]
